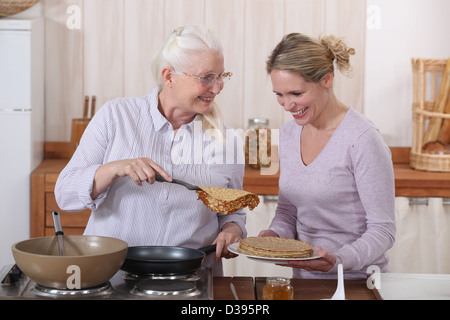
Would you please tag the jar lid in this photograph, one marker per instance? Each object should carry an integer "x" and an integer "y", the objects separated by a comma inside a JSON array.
[
  {"x": 258, "y": 121},
  {"x": 278, "y": 280}
]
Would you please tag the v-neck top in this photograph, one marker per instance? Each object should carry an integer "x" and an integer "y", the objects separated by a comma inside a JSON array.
[
  {"x": 318, "y": 156},
  {"x": 343, "y": 201}
]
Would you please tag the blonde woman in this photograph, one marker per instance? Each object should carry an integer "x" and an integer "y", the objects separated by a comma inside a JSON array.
[
  {"x": 129, "y": 140},
  {"x": 336, "y": 181}
]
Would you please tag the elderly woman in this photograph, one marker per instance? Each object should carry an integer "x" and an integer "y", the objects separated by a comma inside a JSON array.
[
  {"x": 176, "y": 131},
  {"x": 336, "y": 179}
]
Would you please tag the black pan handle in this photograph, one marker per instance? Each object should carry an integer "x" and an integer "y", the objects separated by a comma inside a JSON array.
[{"x": 208, "y": 249}]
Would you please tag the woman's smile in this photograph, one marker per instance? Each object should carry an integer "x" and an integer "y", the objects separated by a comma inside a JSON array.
[
  {"x": 207, "y": 99},
  {"x": 300, "y": 114}
]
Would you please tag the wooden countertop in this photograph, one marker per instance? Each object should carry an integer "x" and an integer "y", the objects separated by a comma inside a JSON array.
[
  {"x": 408, "y": 182},
  {"x": 245, "y": 288},
  {"x": 248, "y": 288},
  {"x": 317, "y": 289},
  {"x": 414, "y": 183}
]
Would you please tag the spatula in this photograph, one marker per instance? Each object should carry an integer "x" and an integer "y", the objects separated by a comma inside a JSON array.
[{"x": 185, "y": 184}]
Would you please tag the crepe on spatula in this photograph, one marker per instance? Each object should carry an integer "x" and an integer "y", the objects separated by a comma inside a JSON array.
[
  {"x": 227, "y": 201},
  {"x": 220, "y": 200}
]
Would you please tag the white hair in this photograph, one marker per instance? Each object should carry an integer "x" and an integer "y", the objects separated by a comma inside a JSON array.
[{"x": 178, "y": 52}]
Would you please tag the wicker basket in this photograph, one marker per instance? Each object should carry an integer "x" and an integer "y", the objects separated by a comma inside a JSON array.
[
  {"x": 10, "y": 7},
  {"x": 427, "y": 73}
]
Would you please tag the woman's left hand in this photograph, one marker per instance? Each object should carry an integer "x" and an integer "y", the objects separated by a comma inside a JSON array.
[
  {"x": 324, "y": 264},
  {"x": 231, "y": 233}
]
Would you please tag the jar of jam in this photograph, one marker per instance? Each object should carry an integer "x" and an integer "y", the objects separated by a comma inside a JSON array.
[
  {"x": 257, "y": 144},
  {"x": 278, "y": 289}
]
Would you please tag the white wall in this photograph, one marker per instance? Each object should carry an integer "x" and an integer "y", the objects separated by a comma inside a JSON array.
[{"x": 397, "y": 31}]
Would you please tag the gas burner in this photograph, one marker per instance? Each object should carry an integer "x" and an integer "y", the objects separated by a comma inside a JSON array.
[
  {"x": 195, "y": 286},
  {"x": 185, "y": 277},
  {"x": 102, "y": 289},
  {"x": 165, "y": 287}
]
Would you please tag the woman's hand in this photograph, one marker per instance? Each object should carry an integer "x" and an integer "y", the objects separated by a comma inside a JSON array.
[
  {"x": 231, "y": 233},
  {"x": 140, "y": 170},
  {"x": 324, "y": 264},
  {"x": 268, "y": 233}
]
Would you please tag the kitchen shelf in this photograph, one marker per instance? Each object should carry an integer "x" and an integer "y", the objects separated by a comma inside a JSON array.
[{"x": 408, "y": 183}]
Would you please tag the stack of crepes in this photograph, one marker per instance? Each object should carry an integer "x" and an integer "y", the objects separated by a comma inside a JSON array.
[
  {"x": 227, "y": 201},
  {"x": 275, "y": 247}
]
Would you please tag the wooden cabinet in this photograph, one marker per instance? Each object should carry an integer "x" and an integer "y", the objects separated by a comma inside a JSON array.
[{"x": 43, "y": 202}]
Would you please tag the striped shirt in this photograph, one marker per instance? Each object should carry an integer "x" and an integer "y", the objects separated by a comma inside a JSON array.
[{"x": 160, "y": 213}]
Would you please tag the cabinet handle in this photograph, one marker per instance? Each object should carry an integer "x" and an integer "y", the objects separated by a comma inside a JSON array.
[
  {"x": 270, "y": 198},
  {"x": 424, "y": 201},
  {"x": 418, "y": 201}
]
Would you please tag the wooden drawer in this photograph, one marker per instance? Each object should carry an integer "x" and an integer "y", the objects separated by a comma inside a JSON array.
[
  {"x": 68, "y": 219},
  {"x": 43, "y": 180}
]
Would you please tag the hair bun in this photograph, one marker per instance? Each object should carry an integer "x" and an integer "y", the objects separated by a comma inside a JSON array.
[{"x": 339, "y": 52}]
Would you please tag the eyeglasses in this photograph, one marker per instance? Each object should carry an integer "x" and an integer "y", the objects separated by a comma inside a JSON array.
[{"x": 209, "y": 78}]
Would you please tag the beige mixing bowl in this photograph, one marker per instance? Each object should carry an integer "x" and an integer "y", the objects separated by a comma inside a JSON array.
[{"x": 98, "y": 258}]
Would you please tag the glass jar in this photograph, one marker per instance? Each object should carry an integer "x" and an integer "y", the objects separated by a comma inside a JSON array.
[
  {"x": 278, "y": 289},
  {"x": 257, "y": 144}
]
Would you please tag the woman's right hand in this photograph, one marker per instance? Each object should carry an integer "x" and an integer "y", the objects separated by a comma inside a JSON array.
[
  {"x": 140, "y": 170},
  {"x": 268, "y": 233}
]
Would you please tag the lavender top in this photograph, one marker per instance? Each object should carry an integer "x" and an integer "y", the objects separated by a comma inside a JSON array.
[
  {"x": 161, "y": 213},
  {"x": 343, "y": 201}
]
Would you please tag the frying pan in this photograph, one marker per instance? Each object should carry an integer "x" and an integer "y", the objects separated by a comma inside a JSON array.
[{"x": 146, "y": 260}]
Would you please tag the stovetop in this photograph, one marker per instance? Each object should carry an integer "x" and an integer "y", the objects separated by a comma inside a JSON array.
[{"x": 198, "y": 286}]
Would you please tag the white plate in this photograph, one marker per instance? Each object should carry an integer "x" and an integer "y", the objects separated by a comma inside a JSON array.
[{"x": 234, "y": 249}]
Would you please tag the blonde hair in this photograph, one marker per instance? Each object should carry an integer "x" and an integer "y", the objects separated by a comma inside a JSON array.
[
  {"x": 311, "y": 58},
  {"x": 178, "y": 52}
]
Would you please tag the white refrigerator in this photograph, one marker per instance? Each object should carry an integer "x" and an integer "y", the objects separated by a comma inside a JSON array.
[{"x": 21, "y": 125}]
